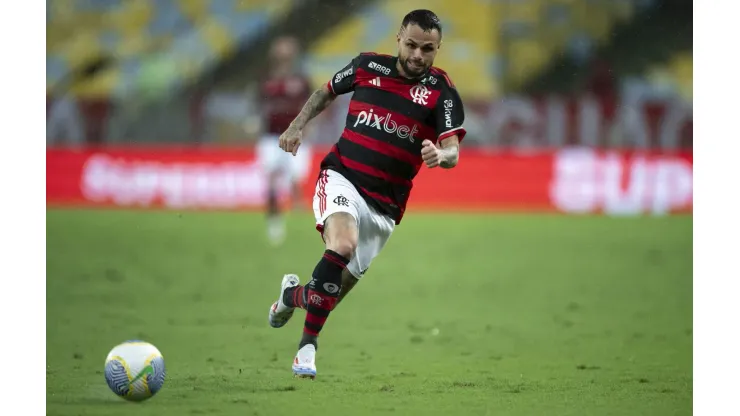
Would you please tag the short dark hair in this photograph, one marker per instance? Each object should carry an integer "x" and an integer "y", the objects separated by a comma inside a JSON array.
[{"x": 427, "y": 20}]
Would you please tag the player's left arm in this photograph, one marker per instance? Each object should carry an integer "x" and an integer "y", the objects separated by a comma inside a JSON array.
[
  {"x": 449, "y": 152},
  {"x": 444, "y": 154},
  {"x": 450, "y": 115}
]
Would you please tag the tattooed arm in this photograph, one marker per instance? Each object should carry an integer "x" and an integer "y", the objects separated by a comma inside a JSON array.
[
  {"x": 450, "y": 152},
  {"x": 450, "y": 115},
  {"x": 444, "y": 156},
  {"x": 317, "y": 102},
  {"x": 290, "y": 141}
]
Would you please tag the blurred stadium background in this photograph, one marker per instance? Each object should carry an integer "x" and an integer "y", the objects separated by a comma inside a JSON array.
[
  {"x": 126, "y": 64},
  {"x": 534, "y": 74},
  {"x": 573, "y": 107}
]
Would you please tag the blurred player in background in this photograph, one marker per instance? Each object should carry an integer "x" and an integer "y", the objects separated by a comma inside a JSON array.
[
  {"x": 404, "y": 113},
  {"x": 281, "y": 97}
]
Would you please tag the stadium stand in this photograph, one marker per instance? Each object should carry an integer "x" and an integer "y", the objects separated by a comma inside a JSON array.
[
  {"x": 489, "y": 46},
  {"x": 71, "y": 41},
  {"x": 537, "y": 30},
  {"x": 470, "y": 58},
  {"x": 676, "y": 75},
  {"x": 152, "y": 45}
]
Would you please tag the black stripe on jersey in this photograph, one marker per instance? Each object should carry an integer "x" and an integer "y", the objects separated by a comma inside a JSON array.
[
  {"x": 370, "y": 157},
  {"x": 372, "y": 184},
  {"x": 395, "y": 103},
  {"x": 369, "y": 182}
]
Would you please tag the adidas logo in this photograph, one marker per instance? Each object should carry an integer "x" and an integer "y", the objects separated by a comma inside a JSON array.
[{"x": 375, "y": 81}]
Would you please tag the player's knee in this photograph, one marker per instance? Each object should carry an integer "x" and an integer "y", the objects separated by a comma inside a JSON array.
[
  {"x": 341, "y": 234},
  {"x": 344, "y": 245}
]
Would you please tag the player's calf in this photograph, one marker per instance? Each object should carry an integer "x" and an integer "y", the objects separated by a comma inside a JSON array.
[
  {"x": 340, "y": 234},
  {"x": 295, "y": 297},
  {"x": 275, "y": 221},
  {"x": 322, "y": 294},
  {"x": 348, "y": 282}
]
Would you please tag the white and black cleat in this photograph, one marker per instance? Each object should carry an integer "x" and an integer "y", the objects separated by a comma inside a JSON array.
[{"x": 280, "y": 313}]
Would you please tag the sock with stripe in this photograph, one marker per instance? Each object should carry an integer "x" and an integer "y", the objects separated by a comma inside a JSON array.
[
  {"x": 321, "y": 294},
  {"x": 295, "y": 297}
]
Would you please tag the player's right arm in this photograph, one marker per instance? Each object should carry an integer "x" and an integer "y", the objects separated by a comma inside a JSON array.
[
  {"x": 290, "y": 140},
  {"x": 341, "y": 83},
  {"x": 316, "y": 103}
]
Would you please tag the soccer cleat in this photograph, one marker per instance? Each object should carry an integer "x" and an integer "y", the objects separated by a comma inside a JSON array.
[
  {"x": 280, "y": 313},
  {"x": 304, "y": 363}
]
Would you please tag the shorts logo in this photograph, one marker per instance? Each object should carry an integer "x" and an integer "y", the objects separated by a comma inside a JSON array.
[
  {"x": 420, "y": 94},
  {"x": 331, "y": 288},
  {"x": 341, "y": 201}
]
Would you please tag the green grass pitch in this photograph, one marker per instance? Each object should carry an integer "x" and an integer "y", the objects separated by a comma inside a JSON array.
[{"x": 461, "y": 314}]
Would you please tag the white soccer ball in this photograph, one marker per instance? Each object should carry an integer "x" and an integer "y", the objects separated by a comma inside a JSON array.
[{"x": 135, "y": 370}]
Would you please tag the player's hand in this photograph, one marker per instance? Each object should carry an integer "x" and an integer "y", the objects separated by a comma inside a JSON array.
[
  {"x": 430, "y": 154},
  {"x": 290, "y": 141}
]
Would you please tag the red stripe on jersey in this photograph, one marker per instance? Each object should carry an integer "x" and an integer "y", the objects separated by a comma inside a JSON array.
[
  {"x": 422, "y": 95},
  {"x": 369, "y": 170},
  {"x": 382, "y": 147},
  {"x": 378, "y": 197},
  {"x": 331, "y": 89},
  {"x": 459, "y": 131},
  {"x": 425, "y": 132},
  {"x": 376, "y": 54},
  {"x": 437, "y": 71}
]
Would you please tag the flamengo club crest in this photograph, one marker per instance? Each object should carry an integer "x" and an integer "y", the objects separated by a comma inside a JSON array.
[{"x": 420, "y": 93}]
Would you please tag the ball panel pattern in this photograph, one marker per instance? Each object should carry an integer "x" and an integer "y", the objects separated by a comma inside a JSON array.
[
  {"x": 117, "y": 376},
  {"x": 156, "y": 380},
  {"x": 135, "y": 370}
]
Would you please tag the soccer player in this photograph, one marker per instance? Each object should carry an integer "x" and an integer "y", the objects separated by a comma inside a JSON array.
[
  {"x": 404, "y": 113},
  {"x": 281, "y": 98}
]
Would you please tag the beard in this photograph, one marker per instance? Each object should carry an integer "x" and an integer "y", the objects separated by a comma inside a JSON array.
[{"x": 412, "y": 72}]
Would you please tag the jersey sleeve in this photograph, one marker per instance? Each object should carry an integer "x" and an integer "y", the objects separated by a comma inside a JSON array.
[
  {"x": 343, "y": 81},
  {"x": 450, "y": 114}
]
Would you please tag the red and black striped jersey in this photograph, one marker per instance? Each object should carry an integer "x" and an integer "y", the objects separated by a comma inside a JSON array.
[
  {"x": 282, "y": 99},
  {"x": 389, "y": 117}
]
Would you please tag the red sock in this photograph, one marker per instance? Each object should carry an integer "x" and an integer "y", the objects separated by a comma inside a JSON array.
[
  {"x": 322, "y": 294},
  {"x": 298, "y": 297}
]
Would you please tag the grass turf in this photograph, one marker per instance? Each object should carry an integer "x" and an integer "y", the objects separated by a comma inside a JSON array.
[{"x": 461, "y": 314}]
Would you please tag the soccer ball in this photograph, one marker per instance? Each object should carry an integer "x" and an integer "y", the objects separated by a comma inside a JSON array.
[{"x": 135, "y": 370}]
